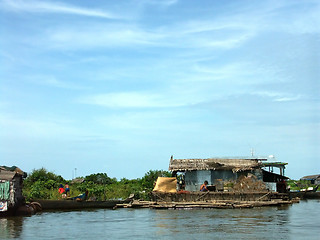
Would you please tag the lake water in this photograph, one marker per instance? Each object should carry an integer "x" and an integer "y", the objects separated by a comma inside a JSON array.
[{"x": 297, "y": 221}]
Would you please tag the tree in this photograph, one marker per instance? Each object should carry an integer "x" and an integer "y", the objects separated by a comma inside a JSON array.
[
  {"x": 41, "y": 184},
  {"x": 151, "y": 177},
  {"x": 42, "y": 175},
  {"x": 100, "y": 178}
]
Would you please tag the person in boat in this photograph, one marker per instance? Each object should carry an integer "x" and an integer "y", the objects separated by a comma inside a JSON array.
[
  {"x": 203, "y": 187},
  {"x": 80, "y": 197}
]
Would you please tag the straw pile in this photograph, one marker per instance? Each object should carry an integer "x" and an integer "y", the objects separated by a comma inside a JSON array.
[{"x": 249, "y": 183}]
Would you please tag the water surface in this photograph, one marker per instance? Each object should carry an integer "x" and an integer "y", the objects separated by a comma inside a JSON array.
[{"x": 297, "y": 221}]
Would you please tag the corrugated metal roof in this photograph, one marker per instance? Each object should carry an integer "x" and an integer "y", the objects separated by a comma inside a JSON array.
[{"x": 274, "y": 164}]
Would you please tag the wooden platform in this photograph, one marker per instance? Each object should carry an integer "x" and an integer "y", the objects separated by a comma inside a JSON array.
[
  {"x": 215, "y": 196},
  {"x": 225, "y": 204}
]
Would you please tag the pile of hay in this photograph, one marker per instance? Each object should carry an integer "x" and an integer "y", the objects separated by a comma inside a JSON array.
[{"x": 249, "y": 183}]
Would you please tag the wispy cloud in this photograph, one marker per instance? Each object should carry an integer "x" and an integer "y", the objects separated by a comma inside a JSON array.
[
  {"x": 53, "y": 7},
  {"x": 297, "y": 21},
  {"x": 97, "y": 36},
  {"x": 129, "y": 35},
  {"x": 52, "y": 81},
  {"x": 165, "y": 3},
  {"x": 278, "y": 96},
  {"x": 127, "y": 100},
  {"x": 42, "y": 126},
  {"x": 230, "y": 72}
]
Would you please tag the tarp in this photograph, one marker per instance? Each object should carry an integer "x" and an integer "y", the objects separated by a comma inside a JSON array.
[
  {"x": 166, "y": 184},
  {"x": 5, "y": 190}
]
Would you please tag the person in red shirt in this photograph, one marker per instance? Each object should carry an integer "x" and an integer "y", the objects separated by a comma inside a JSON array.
[{"x": 61, "y": 189}]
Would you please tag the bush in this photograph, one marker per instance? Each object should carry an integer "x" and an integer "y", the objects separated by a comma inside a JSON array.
[
  {"x": 37, "y": 191},
  {"x": 41, "y": 184}
]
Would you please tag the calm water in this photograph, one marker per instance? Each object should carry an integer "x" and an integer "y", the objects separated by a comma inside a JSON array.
[{"x": 299, "y": 221}]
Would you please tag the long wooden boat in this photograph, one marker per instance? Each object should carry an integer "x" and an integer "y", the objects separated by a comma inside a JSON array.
[
  {"x": 305, "y": 195},
  {"x": 75, "y": 205}
]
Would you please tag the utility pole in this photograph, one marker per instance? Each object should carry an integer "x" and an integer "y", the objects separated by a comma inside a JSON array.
[{"x": 252, "y": 152}]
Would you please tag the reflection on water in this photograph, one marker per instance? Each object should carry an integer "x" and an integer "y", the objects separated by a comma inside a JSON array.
[
  {"x": 259, "y": 223},
  {"x": 10, "y": 227}
]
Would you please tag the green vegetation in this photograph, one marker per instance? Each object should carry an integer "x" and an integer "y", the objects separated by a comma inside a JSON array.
[
  {"x": 299, "y": 184},
  {"x": 41, "y": 184}
]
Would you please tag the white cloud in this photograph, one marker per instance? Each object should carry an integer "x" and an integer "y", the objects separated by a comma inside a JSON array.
[{"x": 53, "y": 7}]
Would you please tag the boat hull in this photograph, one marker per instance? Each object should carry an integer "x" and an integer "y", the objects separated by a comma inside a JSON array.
[{"x": 75, "y": 205}]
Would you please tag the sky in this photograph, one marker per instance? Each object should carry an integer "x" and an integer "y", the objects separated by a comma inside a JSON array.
[{"x": 118, "y": 87}]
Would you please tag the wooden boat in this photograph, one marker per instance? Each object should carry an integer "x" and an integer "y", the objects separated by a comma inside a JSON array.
[
  {"x": 305, "y": 194},
  {"x": 76, "y": 205}
]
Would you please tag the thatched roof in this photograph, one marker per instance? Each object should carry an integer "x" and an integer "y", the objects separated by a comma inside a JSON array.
[
  {"x": 234, "y": 164},
  {"x": 8, "y": 173},
  {"x": 311, "y": 177}
]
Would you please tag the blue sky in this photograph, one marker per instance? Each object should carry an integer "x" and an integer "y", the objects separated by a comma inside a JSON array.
[{"x": 120, "y": 86}]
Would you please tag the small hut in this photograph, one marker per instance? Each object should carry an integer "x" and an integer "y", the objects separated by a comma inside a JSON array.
[
  {"x": 314, "y": 179},
  {"x": 11, "y": 197}
]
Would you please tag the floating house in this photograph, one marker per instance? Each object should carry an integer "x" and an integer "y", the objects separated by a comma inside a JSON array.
[
  {"x": 11, "y": 179},
  {"x": 222, "y": 172},
  {"x": 314, "y": 179},
  {"x": 231, "y": 181}
]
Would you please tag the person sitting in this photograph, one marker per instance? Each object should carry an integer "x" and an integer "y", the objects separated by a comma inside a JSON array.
[
  {"x": 80, "y": 197},
  {"x": 203, "y": 187}
]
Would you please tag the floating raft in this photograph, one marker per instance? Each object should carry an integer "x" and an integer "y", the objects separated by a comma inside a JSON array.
[
  {"x": 215, "y": 196},
  {"x": 223, "y": 204}
]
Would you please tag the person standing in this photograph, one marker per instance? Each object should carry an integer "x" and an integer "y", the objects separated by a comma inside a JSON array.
[
  {"x": 67, "y": 189},
  {"x": 61, "y": 189}
]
